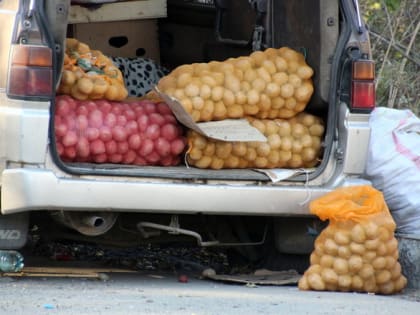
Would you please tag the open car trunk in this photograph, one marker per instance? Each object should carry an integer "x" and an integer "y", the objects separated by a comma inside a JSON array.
[{"x": 202, "y": 31}]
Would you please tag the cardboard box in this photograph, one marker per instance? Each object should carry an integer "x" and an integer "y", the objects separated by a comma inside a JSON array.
[{"x": 136, "y": 38}]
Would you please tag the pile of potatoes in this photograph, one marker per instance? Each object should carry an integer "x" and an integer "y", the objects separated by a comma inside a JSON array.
[
  {"x": 88, "y": 74},
  {"x": 360, "y": 257},
  {"x": 275, "y": 83},
  {"x": 291, "y": 143}
]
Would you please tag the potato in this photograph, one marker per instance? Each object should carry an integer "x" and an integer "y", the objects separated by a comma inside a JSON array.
[
  {"x": 216, "y": 163},
  {"x": 344, "y": 252},
  {"x": 372, "y": 244},
  {"x": 85, "y": 85},
  {"x": 369, "y": 285},
  {"x": 329, "y": 276},
  {"x": 331, "y": 287},
  {"x": 344, "y": 282},
  {"x": 357, "y": 248},
  {"x": 379, "y": 263},
  {"x": 355, "y": 263},
  {"x": 181, "y": 81},
  {"x": 258, "y": 57},
  {"x": 384, "y": 234},
  {"x": 68, "y": 78},
  {"x": 314, "y": 269},
  {"x": 316, "y": 130},
  {"x": 264, "y": 74},
  {"x": 235, "y": 111},
  {"x": 386, "y": 288},
  {"x": 217, "y": 93},
  {"x": 240, "y": 98},
  {"x": 197, "y": 103},
  {"x": 304, "y": 72},
  {"x": 371, "y": 230},
  {"x": 296, "y": 161},
  {"x": 244, "y": 63},
  {"x": 281, "y": 64},
  {"x": 253, "y": 97},
  {"x": 319, "y": 250},
  {"x": 287, "y": 90},
  {"x": 303, "y": 283},
  {"x": 342, "y": 238},
  {"x": 381, "y": 250},
  {"x": 314, "y": 259},
  {"x": 232, "y": 83},
  {"x": 358, "y": 234},
  {"x": 396, "y": 271},
  {"x": 239, "y": 148},
  {"x": 390, "y": 262},
  {"x": 356, "y": 283},
  {"x": 207, "y": 110},
  {"x": 392, "y": 246},
  {"x": 219, "y": 110},
  {"x": 261, "y": 162},
  {"x": 326, "y": 261},
  {"x": 369, "y": 256},
  {"x": 272, "y": 90},
  {"x": 195, "y": 153},
  {"x": 269, "y": 66},
  {"x": 341, "y": 266},
  {"x": 223, "y": 150},
  {"x": 383, "y": 276},
  {"x": 366, "y": 271},
  {"x": 204, "y": 162},
  {"x": 315, "y": 282},
  {"x": 100, "y": 85},
  {"x": 330, "y": 247},
  {"x": 400, "y": 283},
  {"x": 77, "y": 94}
]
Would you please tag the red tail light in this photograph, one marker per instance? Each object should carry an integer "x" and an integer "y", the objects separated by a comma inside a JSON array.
[
  {"x": 363, "y": 86},
  {"x": 30, "y": 71}
]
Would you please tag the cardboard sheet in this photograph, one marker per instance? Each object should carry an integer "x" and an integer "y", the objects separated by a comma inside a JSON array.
[{"x": 224, "y": 130}]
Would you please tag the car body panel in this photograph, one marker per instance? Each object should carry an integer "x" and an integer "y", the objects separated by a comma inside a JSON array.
[{"x": 33, "y": 179}]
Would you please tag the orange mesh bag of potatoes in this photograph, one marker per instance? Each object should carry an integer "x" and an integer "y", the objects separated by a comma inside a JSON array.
[
  {"x": 88, "y": 74},
  {"x": 291, "y": 143},
  {"x": 357, "y": 251},
  {"x": 275, "y": 83}
]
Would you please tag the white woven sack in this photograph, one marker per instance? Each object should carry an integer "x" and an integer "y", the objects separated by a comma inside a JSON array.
[{"x": 393, "y": 164}]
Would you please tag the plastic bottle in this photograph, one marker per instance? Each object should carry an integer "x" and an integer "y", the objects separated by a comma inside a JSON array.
[{"x": 10, "y": 261}]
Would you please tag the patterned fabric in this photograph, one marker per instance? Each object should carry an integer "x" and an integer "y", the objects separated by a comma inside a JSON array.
[{"x": 140, "y": 74}]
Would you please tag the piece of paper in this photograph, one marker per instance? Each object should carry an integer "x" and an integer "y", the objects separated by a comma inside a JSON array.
[
  {"x": 279, "y": 174},
  {"x": 225, "y": 130},
  {"x": 285, "y": 277}
]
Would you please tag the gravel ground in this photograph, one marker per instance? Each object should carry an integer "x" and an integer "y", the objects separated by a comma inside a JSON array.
[{"x": 158, "y": 293}]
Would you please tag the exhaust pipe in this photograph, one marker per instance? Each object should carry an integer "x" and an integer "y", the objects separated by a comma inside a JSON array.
[{"x": 87, "y": 223}]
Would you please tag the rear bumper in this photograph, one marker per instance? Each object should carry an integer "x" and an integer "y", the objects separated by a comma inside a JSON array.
[{"x": 37, "y": 189}]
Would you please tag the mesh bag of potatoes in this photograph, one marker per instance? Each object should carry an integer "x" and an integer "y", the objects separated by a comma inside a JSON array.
[
  {"x": 357, "y": 251},
  {"x": 292, "y": 143},
  {"x": 275, "y": 83},
  {"x": 88, "y": 74}
]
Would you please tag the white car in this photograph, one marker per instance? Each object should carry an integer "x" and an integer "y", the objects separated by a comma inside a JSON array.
[{"x": 128, "y": 204}]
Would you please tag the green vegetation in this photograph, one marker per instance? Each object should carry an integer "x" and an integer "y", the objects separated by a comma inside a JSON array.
[{"x": 394, "y": 28}]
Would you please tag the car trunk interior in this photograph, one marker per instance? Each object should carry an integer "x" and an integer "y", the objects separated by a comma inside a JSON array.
[{"x": 190, "y": 34}]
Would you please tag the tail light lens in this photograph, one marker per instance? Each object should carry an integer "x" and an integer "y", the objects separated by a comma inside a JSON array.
[
  {"x": 363, "y": 96},
  {"x": 30, "y": 72}
]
